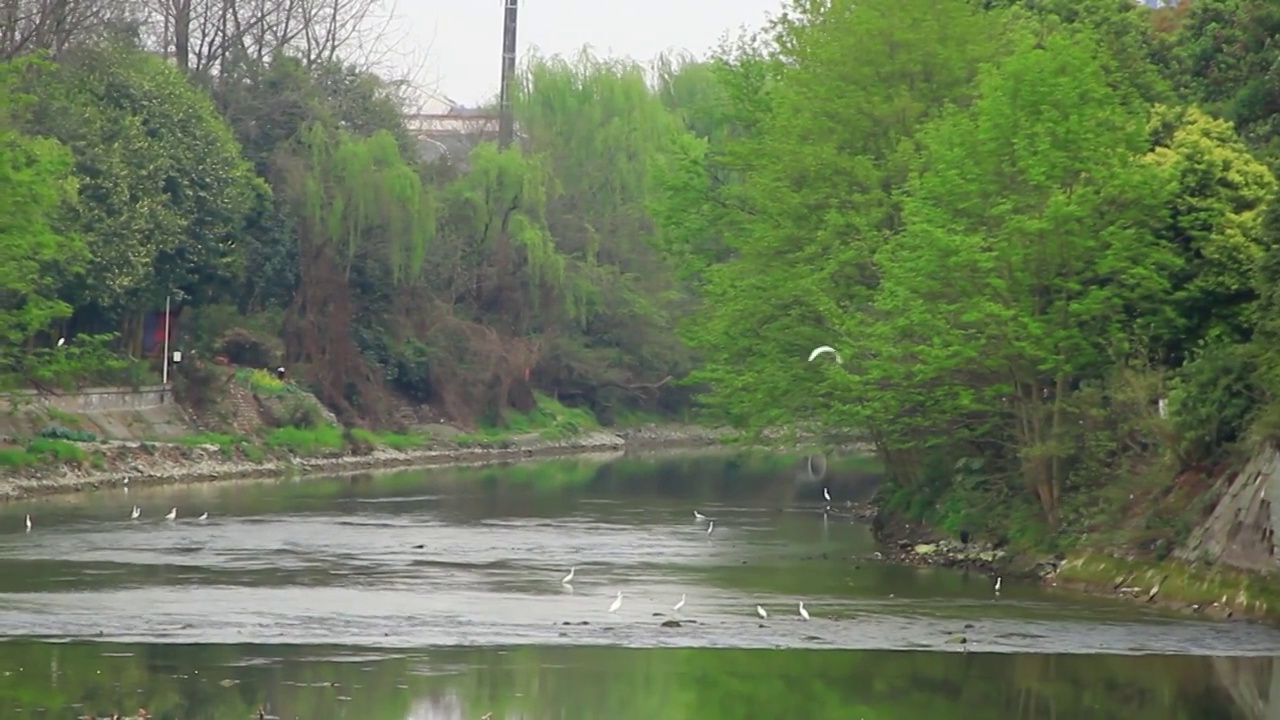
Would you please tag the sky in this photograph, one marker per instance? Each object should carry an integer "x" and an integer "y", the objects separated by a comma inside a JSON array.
[{"x": 455, "y": 46}]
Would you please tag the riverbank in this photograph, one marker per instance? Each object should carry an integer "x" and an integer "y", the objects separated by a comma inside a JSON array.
[
  {"x": 116, "y": 464},
  {"x": 1211, "y": 591}
]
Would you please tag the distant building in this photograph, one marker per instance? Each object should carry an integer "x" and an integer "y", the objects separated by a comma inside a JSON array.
[{"x": 447, "y": 131}]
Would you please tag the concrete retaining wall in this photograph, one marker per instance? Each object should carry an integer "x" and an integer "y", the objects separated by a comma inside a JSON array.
[{"x": 90, "y": 400}]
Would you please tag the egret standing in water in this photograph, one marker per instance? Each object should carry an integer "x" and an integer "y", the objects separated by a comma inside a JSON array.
[
  {"x": 711, "y": 525},
  {"x": 204, "y": 515},
  {"x": 679, "y": 604},
  {"x": 569, "y": 578},
  {"x": 760, "y": 611},
  {"x": 698, "y": 516},
  {"x": 135, "y": 512},
  {"x": 28, "y": 522},
  {"x": 172, "y": 515},
  {"x": 998, "y": 579},
  {"x": 826, "y": 494},
  {"x": 617, "y": 603},
  {"x": 803, "y": 613}
]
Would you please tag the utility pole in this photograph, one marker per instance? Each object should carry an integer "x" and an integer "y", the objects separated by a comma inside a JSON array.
[{"x": 506, "y": 117}]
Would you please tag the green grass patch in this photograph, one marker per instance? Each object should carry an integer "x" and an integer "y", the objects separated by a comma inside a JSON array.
[
  {"x": 56, "y": 450},
  {"x": 631, "y": 418},
  {"x": 15, "y": 458},
  {"x": 1201, "y": 583},
  {"x": 548, "y": 419},
  {"x": 305, "y": 441}
]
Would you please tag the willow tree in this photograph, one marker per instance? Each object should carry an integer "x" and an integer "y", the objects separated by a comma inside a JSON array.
[
  {"x": 503, "y": 279},
  {"x": 357, "y": 205},
  {"x": 601, "y": 129}
]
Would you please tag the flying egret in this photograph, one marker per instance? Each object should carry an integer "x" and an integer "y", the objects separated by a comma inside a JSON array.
[
  {"x": 821, "y": 349},
  {"x": 698, "y": 516},
  {"x": 172, "y": 515},
  {"x": 760, "y": 611},
  {"x": 803, "y": 613},
  {"x": 569, "y": 578},
  {"x": 135, "y": 512},
  {"x": 826, "y": 494},
  {"x": 679, "y": 604},
  {"x": 617, "y": 603},
  {"x": 204, "y": 515},
  {"x": 711, "y": 525},
  {"x": 28, "y": 522}
]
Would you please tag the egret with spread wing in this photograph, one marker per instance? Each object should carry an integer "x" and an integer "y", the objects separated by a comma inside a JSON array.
[{"x": 823, "y": 349}]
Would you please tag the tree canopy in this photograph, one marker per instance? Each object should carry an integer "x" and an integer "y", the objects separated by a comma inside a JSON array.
[{"x": 1041, "y": 235}]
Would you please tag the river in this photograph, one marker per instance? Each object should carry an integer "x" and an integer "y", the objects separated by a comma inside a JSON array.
[{"x": 437, "y": 595}]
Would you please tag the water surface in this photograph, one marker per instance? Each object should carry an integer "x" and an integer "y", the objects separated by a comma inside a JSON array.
[{"x": 442, "y": 589}]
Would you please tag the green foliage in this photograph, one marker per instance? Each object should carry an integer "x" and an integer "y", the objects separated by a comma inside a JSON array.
[
  {"x": 35, "y": 180},
  {"x": 306, "y": 441},
  {"x": 549, "y": 419},
  {"x": 1215, "y": 224},
  {"x": 1015, "y": 253},
  {"x": 163, "y": 190},
  {"x": 85, "y": 360},
  {"x": 1226, "y": 58},
  {"x": 354, "y": 192},
  {"x": 263, "y": 382},
  {"x": 53, "y": 450},
  {"x": 814, "y": 201}
]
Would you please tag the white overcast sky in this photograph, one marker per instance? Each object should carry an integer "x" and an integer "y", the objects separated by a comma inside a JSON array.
[{"x": 457, "y": 44}]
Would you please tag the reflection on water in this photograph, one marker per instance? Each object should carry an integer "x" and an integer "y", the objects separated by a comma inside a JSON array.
[
  {"x": 537, "y": 683},
  {"x": 436, "y": 594}
]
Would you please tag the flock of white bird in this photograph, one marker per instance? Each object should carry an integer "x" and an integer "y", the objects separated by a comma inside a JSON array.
[
  {"x": 136, "y": 513},
  {"x": 711, "y": 524}
]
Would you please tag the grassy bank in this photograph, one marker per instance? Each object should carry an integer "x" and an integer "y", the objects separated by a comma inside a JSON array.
[{"x": 1196, "y": 587}]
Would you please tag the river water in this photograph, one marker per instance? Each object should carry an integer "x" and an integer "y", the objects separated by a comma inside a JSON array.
[{"x": 437, "y": 595}]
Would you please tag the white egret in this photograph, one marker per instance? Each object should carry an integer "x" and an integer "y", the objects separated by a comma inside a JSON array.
[
  {"x": 135, "y": 512},
  {"x": 679, "y": 604},
  {"x": 826, "y": 494},
  {"x": 28, "y": 522},
  {"x": 569, "y": 578},
  {"x": 698, "y": 516},
  {"x": 998, "y": 579},
  {"x": 760, "y": 611},
  {"x": 62, "y": 341},
  {"x": 172, "y": 514},
  {"x": 617, "y": 603},
  {"x": 204, "y": 515},
  {"x": 803, "y": 613},
  {"x": 822, "y": 349},
  {"x": 711, "y": 525}
]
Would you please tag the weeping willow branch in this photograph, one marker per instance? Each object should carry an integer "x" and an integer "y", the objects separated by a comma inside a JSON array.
[{"x": 355, "y": 200}]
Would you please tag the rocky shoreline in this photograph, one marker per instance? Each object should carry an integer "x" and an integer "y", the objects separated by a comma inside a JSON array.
[{"x": 158, "y": 463}]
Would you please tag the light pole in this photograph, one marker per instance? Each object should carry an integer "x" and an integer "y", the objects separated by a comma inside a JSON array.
[
  {"x": 506, "y": 114},
  {"x": 164, "y": 374}
]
